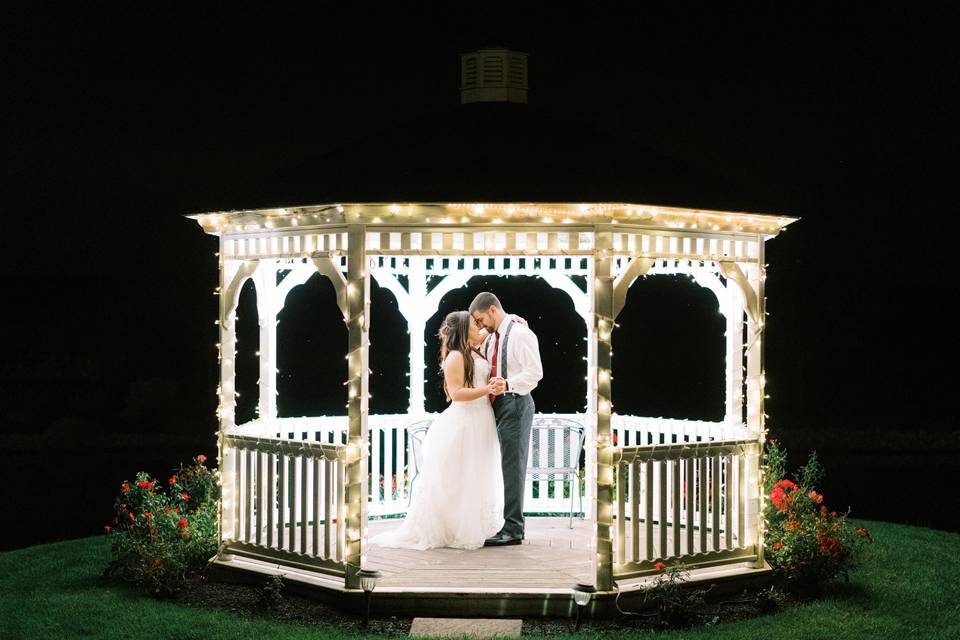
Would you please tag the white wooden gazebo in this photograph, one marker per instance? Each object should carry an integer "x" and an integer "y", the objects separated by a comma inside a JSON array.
[{"x": 299, "y": 493}]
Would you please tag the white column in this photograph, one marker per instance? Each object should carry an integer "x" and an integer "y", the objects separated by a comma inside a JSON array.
[
  {"x": 755, "y": 400},
  {"x": 417, "y": 323},
  {"x": 603, "y": 315},
  {"x": 734, "y": 343},
  {"x": 233, "y": 273},
  {"x": 591, "y": 411},
  {"x": 358, "y": 327},
  {"x": 755, "y": 382},
  {"x": 267, "y": 309}
]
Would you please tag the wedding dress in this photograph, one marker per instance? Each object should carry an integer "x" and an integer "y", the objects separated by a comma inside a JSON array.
[{"x": 458, "y": 496}]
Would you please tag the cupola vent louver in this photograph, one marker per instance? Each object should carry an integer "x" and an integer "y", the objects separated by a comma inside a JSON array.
[{"x": 493, "y": 75}]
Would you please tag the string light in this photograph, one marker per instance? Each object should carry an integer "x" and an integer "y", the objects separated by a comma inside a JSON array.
[{"x": 605, "y": 468}]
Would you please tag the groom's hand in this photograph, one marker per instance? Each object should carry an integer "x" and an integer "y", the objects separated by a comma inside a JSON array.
[
  {"x": 499, "y": 385},
  {"x": 518, "y": 319}
]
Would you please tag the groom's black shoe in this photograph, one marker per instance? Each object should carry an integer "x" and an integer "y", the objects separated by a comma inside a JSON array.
[{"x": 502, "y": 539}]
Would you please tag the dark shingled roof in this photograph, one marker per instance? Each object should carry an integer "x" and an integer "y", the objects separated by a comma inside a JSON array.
[{"x": 494, "y": 152}]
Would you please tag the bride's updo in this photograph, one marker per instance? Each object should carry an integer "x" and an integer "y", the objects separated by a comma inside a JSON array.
[{"x": 454, "y": 336}]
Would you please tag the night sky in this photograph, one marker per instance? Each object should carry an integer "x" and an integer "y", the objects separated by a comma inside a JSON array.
[{"x": 115, "y": 125}]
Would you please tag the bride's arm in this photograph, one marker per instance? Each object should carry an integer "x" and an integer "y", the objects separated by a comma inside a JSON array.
[{"x": 453, "y": 376}]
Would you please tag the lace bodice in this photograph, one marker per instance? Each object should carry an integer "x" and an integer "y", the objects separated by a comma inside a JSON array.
[{"x": 481, "y": 372}]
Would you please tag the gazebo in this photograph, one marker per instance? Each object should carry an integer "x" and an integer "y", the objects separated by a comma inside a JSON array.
[{"x": 300, "y": 494}]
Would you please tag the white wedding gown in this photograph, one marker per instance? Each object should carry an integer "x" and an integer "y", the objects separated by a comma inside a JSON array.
[{"x": 458, "y": 496}]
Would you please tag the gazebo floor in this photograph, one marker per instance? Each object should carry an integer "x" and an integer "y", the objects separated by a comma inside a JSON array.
[
  {"x": 532, "y": 579},
  {"x": 552, "y": 557}
]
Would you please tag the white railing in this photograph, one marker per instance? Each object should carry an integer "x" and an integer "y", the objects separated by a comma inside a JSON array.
[
  {"x": 688, "y": 501},
  {"x": 390, "y": 459},
  {"x": 284, "y": 501}
]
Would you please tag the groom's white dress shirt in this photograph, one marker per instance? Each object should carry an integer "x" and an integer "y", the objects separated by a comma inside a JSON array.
[{"x": 524, "y": 370}]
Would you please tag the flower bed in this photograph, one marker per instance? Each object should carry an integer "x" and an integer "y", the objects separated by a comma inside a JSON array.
[
  {"x": 163, "y": 533},
  {"x": 807, "y": 544}
]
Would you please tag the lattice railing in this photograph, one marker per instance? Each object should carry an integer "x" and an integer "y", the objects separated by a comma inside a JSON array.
[
  {"x": 390, "y": 466},
  {"x": 691, "y": 502},
  {"x": 284, "y": 501}
]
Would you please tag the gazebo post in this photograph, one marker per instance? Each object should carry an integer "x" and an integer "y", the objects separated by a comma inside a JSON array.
[
  {"x": 358, "y": 326},
  {"x": 734, "y": 344},
  {"x": 233, "y": 273},
  {"x": 756, "y": 393},
  {"x": 417, "y": 323},
  {"x": 601, "y": 282},
  {"x": 267, "y": 308}
]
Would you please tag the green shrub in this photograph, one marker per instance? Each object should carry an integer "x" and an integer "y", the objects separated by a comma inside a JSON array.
[
  {"x": 806, "y": 544},
  {"x": 160, "y": 536},
  {"x": 675, "y": 604},
  {"x": 271, "y": 593}
]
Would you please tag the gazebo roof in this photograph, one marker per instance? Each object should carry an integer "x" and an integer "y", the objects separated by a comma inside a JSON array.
[
  {"x": 490, "y": 214},
  {"x": 493, "y": 152}
]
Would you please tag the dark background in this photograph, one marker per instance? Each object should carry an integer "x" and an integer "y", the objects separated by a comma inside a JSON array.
[{"x": 115, "y": 125}]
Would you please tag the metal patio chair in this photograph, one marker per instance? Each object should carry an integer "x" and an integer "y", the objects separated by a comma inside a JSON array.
[
  {"x": 417, "y": 432},
  {"x": 555, "y": 447}
]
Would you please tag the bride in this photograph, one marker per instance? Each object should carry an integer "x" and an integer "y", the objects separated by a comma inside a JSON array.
[{"x": 459, "y": 498}]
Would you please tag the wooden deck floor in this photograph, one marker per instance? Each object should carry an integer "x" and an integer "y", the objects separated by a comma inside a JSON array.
[
  {"x": 551, "y": 557},
  {"x": 527, "y": 580}
]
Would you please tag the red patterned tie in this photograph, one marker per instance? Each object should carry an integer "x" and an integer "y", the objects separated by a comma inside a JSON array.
[{"x": 493, "y": 362}]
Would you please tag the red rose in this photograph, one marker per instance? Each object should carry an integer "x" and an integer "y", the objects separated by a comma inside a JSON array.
[
  {"x": 201, "y": 458},
  {"x": 168, "y": 509},
  {"x": 185, "y": 496},
  {"x": 660, "y": 566},
  {"x": 126, "y": 487},
  {"x": 145, "y": 485},
  {"x": 172, "y": 480},
  {"x": 777, "y": 546},
  {"x": 816, "y": 497},
  {"x": 182, "y": 523},
  {"x": 787, "y": 484},
  {"x": 829, "y": 545},
  {"x": 132, "y": 517}
]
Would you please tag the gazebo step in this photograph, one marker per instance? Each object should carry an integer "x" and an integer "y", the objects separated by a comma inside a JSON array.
[{"x": 469, "y": 627}]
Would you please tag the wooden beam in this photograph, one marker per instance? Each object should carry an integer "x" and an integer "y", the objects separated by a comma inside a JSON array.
[
  {"x": 329, "y": 267},
  {"x": 733, "y": 272},
  {"x": 636, "y": 268}
]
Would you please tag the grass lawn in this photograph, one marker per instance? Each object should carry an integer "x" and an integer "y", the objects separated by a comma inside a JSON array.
[{"x": 907, "y": 587}]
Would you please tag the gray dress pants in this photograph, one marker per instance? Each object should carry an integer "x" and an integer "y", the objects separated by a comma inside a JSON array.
[{"x": 514, "y": 414}]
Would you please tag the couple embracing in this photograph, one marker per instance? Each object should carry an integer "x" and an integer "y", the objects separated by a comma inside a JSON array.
[{"x": 470, "y": 489}]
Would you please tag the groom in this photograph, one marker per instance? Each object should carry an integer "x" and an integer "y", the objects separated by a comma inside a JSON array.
[{"x": 514, "y": 355}]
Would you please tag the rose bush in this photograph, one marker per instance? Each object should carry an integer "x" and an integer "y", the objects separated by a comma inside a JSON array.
[
  {"x": 806, "y": 544},
  {"x": 160, "y": 537}
]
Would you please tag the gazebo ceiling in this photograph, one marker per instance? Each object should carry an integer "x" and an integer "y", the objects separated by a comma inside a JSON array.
[{"x": 489, "y": 215}]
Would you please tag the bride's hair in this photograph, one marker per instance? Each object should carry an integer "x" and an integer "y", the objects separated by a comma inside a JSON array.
[{"x": 454, "y": 336}]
